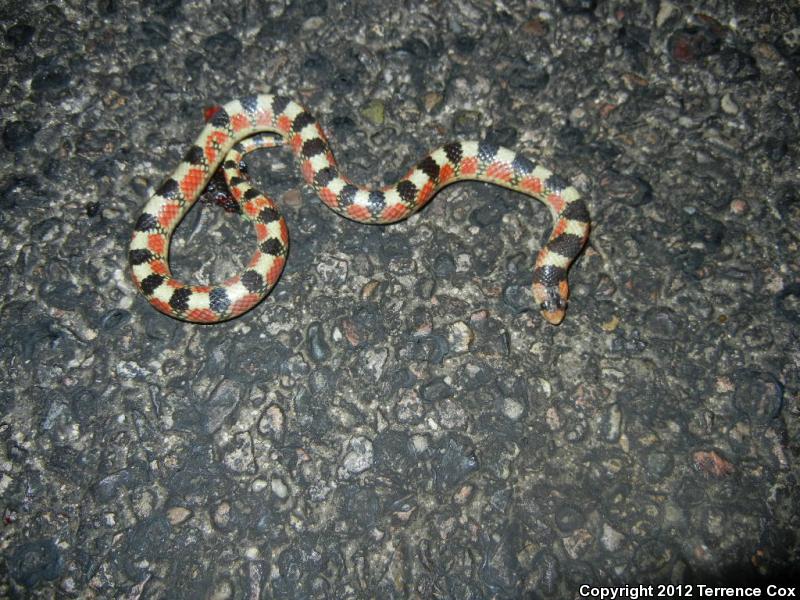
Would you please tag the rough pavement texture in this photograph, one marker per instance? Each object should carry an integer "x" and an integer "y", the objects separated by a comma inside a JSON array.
[{"x": 396, "y": 420}]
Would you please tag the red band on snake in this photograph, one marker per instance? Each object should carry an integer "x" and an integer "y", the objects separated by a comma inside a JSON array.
[{"x": 233, "y": 131}]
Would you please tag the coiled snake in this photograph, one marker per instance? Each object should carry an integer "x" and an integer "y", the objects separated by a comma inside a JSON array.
[{"x": 241, "y": 126}]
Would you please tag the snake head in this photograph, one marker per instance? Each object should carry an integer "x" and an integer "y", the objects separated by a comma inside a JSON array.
[{"x": 552, "y": 301}]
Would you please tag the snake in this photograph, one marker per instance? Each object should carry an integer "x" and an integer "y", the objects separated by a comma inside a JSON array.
[{"x": 266, "y": 120}]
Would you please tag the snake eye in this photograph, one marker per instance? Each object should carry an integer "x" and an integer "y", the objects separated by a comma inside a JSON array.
[{"x": 553, "y": 305}]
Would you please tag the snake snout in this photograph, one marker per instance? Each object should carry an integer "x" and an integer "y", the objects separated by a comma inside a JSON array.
[{"x": 553, "y": 306}]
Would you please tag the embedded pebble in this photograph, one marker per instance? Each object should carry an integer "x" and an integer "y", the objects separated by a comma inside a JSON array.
[
  {"x": 513, "y": 409},
  {"x": 374, "y": 112},
  {"x": 729, "y": 105},
  {"x": 273, "y": 422},
  {"x": 611, "y": 538},
  {"x": 359, "y": 458},
  {"x": 35, "y": 562},
  {"x": 178, "y": 514},
  {"x": 459, "y": 337},
  {"x": 222, "y": 514},
  {"x": 279, "y": 488}
]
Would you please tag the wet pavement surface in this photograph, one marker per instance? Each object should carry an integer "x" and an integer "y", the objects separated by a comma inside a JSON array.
[{"x": 396, "y": 420}]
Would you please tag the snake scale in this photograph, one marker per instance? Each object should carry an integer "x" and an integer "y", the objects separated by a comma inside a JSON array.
[{"x": 244, "y": 125}]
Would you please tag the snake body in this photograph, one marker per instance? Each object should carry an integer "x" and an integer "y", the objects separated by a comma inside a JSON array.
[{"x": 268, "y": 120}]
